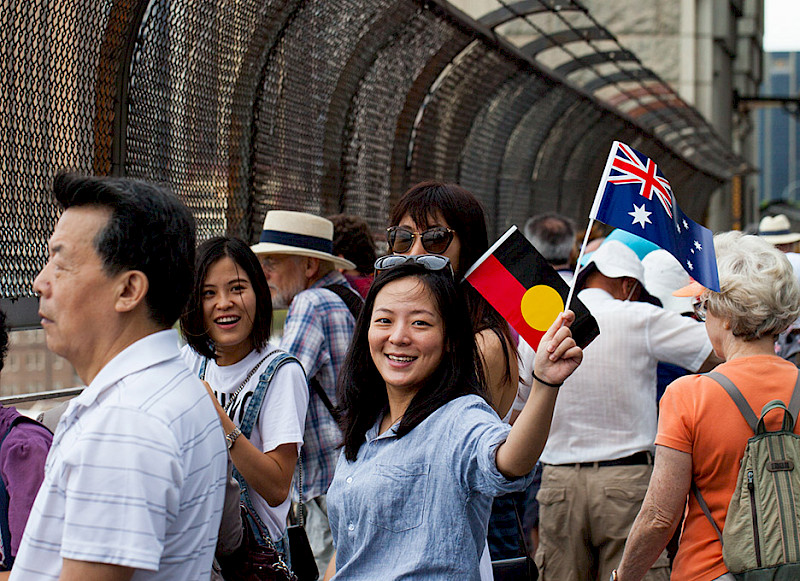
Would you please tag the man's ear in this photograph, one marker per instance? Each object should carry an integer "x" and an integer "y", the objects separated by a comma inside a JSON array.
[
  {"x": 132, "y": 290},
  {"x": 629, "y": 286},
  {"x": 312, "y": 267}
]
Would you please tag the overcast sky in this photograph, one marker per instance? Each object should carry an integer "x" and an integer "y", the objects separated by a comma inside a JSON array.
[{"x": 781, "y": 25}]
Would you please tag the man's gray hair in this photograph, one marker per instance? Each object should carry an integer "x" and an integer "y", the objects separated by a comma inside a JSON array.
[{"x": 553, "y": 235}]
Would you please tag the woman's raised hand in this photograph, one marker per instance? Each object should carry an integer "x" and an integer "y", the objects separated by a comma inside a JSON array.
[{"x": 558, "y": 354}]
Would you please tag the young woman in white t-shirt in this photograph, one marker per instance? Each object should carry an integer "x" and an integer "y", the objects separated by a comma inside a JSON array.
[{"x": 227, "y": 325}]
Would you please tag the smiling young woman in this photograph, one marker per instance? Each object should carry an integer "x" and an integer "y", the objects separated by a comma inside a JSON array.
[
  {"x": 226, "y": 326},
  {"x": 424, "y": 454}
]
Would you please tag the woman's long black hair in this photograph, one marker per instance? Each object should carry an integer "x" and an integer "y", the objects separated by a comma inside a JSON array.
[
  {"x": 361, "y": 391},
  {"x": 464, "y": 214},
  {"x": 193, "y": 325}
]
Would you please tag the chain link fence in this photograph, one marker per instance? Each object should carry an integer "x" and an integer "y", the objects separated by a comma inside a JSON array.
[{"x": 241, "y": 106}]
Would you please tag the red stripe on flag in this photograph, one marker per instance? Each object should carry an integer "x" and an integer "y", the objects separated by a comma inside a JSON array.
[{"x": 504, "y": 292}]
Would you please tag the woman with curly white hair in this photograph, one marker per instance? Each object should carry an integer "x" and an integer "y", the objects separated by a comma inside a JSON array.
[{"x": 701, "y": 433}]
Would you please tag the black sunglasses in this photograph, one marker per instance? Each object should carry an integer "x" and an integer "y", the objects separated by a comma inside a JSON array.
[
  {"x": 434, "y": 240},
  {"x": 431, "y": 262}
]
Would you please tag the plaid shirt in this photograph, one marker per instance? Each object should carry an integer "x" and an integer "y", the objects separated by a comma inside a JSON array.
[{"x": 318, "y": 330}]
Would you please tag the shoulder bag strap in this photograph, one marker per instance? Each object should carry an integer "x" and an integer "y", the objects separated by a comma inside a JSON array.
[
  {"x": 249, "y": 420},
  {"x": 744, "y": 408}
]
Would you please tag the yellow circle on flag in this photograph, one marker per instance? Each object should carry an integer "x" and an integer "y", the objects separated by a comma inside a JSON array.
[{"x": 540, "y": 306}]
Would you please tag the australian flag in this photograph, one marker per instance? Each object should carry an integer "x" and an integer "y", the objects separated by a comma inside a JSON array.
[{"x": 635, "y": 196}]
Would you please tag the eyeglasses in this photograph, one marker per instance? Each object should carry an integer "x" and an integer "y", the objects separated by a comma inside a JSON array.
[
  {"x": 431, "y": 262},
  {"x": 434, "y": 240},
  {"x": 701, "y": 309}
]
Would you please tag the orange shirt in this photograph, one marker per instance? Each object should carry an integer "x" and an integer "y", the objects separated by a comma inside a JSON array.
[{"x": 699, "y": 417}]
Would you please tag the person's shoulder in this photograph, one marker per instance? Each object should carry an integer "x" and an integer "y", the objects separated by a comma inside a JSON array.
[
  {"x": 466, "y": 404},
  {"x": 289, "y": 364},
  {"x": 166, "y": 392},
  {"x": 26, "y": 438}
]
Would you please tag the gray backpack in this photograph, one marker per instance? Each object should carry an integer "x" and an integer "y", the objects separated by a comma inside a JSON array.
[{"x": 761, "y": 536}]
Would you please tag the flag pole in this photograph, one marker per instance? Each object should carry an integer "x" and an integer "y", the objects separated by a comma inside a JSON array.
[
  {"x": 598, "y": 196},
  {"x": 578, "y": 264}
]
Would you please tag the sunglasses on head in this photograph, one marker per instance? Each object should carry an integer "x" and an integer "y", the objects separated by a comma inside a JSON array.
[
  {"x": 434, "y": 240},
  {"x": 431, "y": 262}
]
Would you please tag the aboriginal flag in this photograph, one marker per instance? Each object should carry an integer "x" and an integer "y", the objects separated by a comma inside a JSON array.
[{"x": 527, "y": 292}]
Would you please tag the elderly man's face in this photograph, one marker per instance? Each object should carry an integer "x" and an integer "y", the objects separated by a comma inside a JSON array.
[
  {"x": 77, "y": 298},
  {"x": 286, "y": 276}
]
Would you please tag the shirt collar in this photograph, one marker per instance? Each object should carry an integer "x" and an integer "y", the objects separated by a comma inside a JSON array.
[
  {"x": 333, "y": 277},
  {"x": 146, "y": 352},
  {"x": 597, "y": 294}
]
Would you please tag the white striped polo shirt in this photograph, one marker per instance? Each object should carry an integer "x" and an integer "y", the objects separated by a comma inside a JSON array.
[{"x": 136, "y": 473}]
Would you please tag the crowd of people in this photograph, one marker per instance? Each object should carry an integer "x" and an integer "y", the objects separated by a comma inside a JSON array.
[{"x": 396, "y": 422}]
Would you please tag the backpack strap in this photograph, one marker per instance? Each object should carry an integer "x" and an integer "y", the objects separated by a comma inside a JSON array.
[
  {"x": 353, "y": 301},
  {"x": 354, "y": 304},
  {"x": 744, "y": 408},
  {"x": 249, "y": 420},
  {"x": 794, "y": 402},
  {"x": 706, "y": 511}
]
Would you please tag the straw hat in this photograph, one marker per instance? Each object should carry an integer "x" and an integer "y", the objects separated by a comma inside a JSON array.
[
  {"x": 777, "y": 230},
  {"x": 300, "y": 234}
]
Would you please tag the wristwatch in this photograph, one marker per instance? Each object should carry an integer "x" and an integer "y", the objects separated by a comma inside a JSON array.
[{"x": 231, "y": 438}]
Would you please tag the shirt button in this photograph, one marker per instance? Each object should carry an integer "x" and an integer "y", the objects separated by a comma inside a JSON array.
[
  {"x": 349, "y": 479},
  {"x": 351, "y": 527}
]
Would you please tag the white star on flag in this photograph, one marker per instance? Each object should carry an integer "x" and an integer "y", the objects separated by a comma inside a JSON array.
[
  {"x": 698, "y": 245},
  {"x": 678, "y": 227},
  {"x": 685, "y": 225},
  {"x": 689, "y": 264},
  {"x": 640, "y": 216}
]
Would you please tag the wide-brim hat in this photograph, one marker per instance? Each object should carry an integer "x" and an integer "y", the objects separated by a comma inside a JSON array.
[
  {"x": 777, "y": 230},
  {"x": 300, "y": 234}
]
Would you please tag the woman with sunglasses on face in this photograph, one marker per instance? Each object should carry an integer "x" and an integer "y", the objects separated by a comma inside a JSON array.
[
  {"x": 438, "y": 218},
  {"x": 424, "y": 454},
  {"x": 227, "y": 325}
]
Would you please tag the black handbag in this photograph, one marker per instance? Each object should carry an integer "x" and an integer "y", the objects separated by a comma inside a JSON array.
[
  {"x": 256, "y": 559},
  {"x": 519, "y": 568},
  {"x": 301, "y": 556}
]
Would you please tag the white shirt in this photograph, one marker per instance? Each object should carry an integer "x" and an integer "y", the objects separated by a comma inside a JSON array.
[
  {"x": 136, "y": 473},
  {"x": 607, "y": 408},
  {"x": 282, "y": 416}
]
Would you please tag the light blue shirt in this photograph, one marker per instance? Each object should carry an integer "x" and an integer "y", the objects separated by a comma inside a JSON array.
[{"x": 417, "y": 507}]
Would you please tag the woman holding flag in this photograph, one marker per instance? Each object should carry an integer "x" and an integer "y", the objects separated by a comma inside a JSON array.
[
  {"x": 424, "y": 454},
  {"x": 439, "y": 218}
]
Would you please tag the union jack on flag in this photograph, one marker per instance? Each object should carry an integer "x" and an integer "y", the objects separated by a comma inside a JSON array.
[
  {"x": 631, "y": 167},
  {"x": 624, "y": 199}
]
